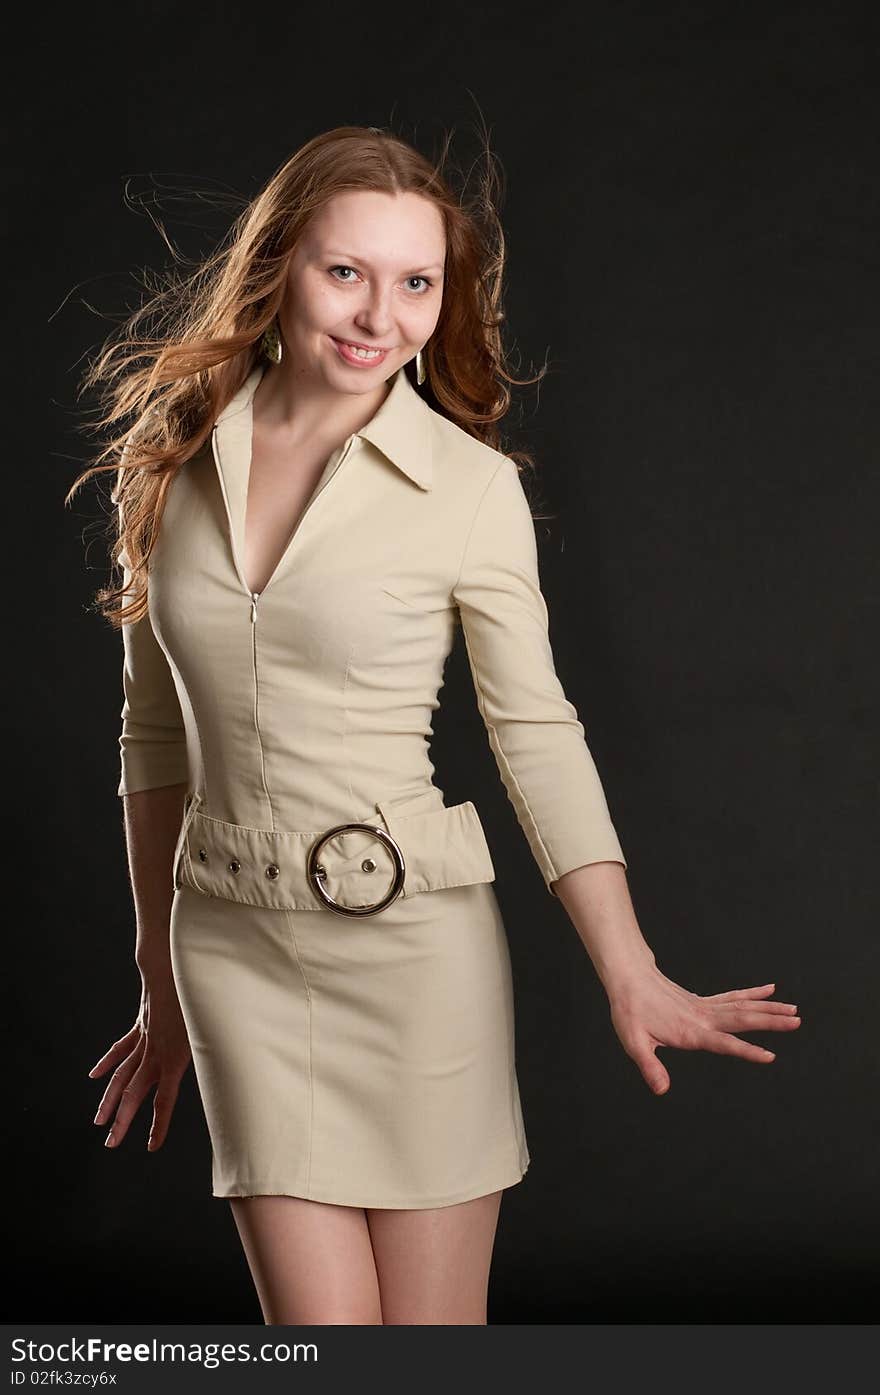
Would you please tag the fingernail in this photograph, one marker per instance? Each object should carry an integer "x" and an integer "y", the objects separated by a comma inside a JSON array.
[
  {"x": 110, "y": 1141},
  {"x": 98, "y": 1119}
]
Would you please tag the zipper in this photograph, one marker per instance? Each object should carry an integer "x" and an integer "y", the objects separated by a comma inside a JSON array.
[{"x": 254, "y": 595}]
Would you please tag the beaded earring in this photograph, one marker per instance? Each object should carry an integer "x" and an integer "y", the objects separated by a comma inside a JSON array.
[{"x": 271, "y": 343}]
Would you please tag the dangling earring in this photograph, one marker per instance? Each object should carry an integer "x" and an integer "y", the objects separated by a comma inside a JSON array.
[
  {"x": 270, "y": 343},
  {"x": 420, "y": 368}
]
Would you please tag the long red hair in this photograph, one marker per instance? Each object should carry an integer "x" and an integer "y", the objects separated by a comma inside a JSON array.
[{"x": 164, "y": 378}]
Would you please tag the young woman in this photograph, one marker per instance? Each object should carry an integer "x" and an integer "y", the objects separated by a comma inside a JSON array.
[{"x": 314, "y": 425}]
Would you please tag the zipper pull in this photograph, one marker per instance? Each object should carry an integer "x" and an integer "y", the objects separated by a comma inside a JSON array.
[{"x": 255, "y": 596}]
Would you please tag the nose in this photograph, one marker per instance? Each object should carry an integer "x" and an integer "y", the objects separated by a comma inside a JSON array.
[{"x": 375, "y": 315}]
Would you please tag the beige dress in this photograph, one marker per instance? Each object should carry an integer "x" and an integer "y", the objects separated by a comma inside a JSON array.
[{"x": 344, "y": 1054}]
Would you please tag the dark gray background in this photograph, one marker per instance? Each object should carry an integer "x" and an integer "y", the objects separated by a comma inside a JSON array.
[{"x": 691, "y": 211}]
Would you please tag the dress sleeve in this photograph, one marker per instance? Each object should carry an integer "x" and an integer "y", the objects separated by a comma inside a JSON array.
[
  {"x": 534, "y": 731},
  {"x": 152, "y": 742}
]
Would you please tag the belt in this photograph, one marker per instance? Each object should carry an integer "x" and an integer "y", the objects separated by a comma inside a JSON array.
[{"x": 352, "y": 868}]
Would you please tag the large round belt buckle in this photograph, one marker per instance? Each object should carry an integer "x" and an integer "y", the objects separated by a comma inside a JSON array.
[{"x": 317, "y": 873}]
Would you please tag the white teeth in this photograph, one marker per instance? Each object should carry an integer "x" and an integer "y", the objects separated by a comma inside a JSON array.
[{"x": 364, "y": 353}]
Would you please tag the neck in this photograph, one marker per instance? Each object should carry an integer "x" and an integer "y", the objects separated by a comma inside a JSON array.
[{"x": 305, "y": 410}]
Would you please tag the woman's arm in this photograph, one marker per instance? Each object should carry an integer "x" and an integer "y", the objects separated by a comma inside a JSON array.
[
  {"x": 534, "y": 730},
  {"x": 551, "y": 778},
  {"x": 154, "y": 778},
  {"x": 647, "y": 1008},
  {"x": 597, "y": 900},
  {"x": 152, "y": 824},
  {"x": 154, "y": 1053}
]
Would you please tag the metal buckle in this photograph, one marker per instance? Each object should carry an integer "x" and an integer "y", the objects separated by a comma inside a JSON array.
[{"x": 316, "y": 873}]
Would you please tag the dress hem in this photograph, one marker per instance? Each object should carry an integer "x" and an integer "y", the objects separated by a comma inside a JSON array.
[{"x": 247, "y": 1189}]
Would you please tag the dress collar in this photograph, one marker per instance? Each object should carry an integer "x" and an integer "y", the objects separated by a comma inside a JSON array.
[{"x": 400, "y": 428}]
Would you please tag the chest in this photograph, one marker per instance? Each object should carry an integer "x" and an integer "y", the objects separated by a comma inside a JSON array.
[
  {"x": 358, "y": 567},
  {"x": 281, "y": 482}
]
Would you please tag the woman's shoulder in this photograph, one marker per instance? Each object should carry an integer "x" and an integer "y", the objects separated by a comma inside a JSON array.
[{"x": 458, "y": 455}]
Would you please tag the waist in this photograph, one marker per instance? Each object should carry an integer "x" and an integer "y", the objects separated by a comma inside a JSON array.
[{"x": 400, "y": 847}]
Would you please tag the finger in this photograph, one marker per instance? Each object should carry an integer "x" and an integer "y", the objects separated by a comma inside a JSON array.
[
  {"x": 750, "y": 1005},
  {"x": 653, "y": 1070},
  {"x": 129, "y": 1103},
  {"x": 117, "y": 1083},
  {"x": 762, "y": 992},
  {"x": 117, "y": 1050},
  {"x": 725, "y": 1044},
  {"x": 163, "y": 1107},
  {"x": 743, "y": 1019}
]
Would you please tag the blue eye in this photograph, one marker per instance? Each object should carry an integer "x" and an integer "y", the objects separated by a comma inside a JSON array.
[{"x": 348, "y": 279}]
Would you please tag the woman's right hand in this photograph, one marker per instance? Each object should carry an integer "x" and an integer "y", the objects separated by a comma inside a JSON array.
[{"x": 155, "y": 1051}]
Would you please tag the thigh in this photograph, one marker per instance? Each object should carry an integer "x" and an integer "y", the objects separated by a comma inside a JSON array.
[
  {"x": 311, "y": 1262},
  {"x": 433, "y": 1265}
]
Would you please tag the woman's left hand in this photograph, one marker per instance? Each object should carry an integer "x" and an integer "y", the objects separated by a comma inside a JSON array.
[{"x": 649, "y": 1010}]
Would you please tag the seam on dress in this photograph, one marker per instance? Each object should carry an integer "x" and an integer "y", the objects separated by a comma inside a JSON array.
[
  {"x": 257, "y": 724},
  {"x": 171, "y": 666},
  {"x": 308, "y": 910},
  {"x": 308, "y": 989},
  {"x": 474, "y": 521},
  {"x": 515, "y": 1103},
  {"x": 447, "y": 886},
  {"x": 419, "y": 609},
  {"x": 490, "y": 727},
  {"x": 495, "y": 740},
  {"x": 244, "y": 901},
  {"x": 226, "y": 823},
  {"x": 345, "y": 754}
]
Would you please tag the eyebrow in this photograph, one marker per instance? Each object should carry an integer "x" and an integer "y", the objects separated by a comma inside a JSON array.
[{"x": 347, "y": 257}]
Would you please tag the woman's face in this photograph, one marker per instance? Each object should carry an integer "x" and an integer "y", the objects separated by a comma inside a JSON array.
[{"x": 368, "y": 270}]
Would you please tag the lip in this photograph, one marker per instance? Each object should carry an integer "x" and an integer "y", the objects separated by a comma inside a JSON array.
[
  {"x": 347, "y": 357},
  {"x": 383, "y": 348}
]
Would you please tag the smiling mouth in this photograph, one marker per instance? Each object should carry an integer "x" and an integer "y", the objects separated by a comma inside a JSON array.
[{"x": 363, "y": 351}]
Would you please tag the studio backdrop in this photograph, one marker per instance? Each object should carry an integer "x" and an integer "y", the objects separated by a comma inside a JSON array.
[{"x": 690, "y": 205}]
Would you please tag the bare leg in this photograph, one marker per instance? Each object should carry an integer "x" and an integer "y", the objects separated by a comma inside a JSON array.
[
  {"x": 311, "y": 1262},
  {"x": 433, "y": 1266}
]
